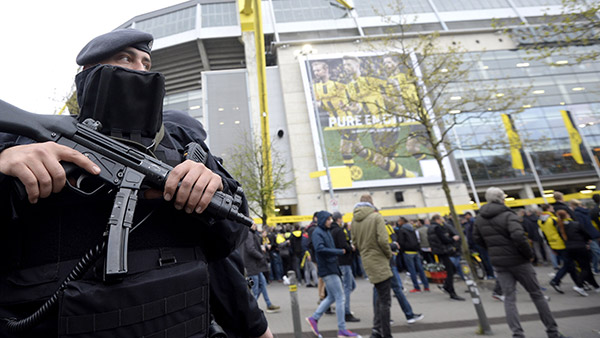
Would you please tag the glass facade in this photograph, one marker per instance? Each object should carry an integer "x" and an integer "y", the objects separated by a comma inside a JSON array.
[
  {"x": 219, "y": 14},
  {"x": 447, "y": 6},
  {"x": 389, "y": 7},
  {"x": 190, "y": 102},
  {"x": 533, "y": 3},
  {"x": 307, "y": 10},
  {"x": 169, "y": 24},
  {"x": 570, "y": 86}
]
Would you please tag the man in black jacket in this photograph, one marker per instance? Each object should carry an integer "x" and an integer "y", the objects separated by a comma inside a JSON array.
[
  {"x": 442, "y": 241},
  {"x": 409, "y": 244},
  {"x": 341, "y": 238},
  {"x": 499, "y": 230}
]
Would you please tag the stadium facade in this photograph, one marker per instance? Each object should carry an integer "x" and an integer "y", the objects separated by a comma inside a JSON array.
[{"x": 199, "y": 48}]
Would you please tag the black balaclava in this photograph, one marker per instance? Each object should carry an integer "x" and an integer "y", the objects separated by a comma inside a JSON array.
[{"x": 128, "y": 103}]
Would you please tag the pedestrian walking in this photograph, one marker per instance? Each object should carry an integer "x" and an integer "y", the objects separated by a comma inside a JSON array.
[
  {"x": 372, "y": 240},
  {"x": 328, "y": 269},
  {"x": 548, "y": 222},
  {"x": 499, "y": 231},
  {"x": 409, "y": 244},
  {"x": 256, "y": 264},
  {"x": 443, "y": 244},
  {"x": 341, "y": 237},
  {"x": 576, "y": 241}
]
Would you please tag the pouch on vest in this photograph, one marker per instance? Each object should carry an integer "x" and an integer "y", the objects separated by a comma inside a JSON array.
[{"x": 170, "y": 301}]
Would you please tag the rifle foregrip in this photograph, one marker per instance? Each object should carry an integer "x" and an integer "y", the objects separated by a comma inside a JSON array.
[{"x": 221, "y": 205}]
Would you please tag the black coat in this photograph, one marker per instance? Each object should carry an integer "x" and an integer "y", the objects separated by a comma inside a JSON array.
[
  {"x": 498, "y": 229},
  {"x": 440, "y": 239},
  {"x": 254, "y": 259},
  {"x": 577, "y": 237},
  {"x": 339, "y": 238},
  {"x": 407, "y": 238}
]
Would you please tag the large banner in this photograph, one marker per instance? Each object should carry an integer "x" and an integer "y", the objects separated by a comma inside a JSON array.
[{"x": 352, "y": 101}]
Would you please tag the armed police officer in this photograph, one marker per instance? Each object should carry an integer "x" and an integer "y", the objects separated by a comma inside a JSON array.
[{"x": 47, "y": 228}]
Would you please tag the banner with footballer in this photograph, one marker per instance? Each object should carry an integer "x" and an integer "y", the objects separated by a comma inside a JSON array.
[{"x": 352, "y": 99}]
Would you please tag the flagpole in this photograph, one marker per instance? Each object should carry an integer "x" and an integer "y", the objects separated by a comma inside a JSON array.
[
  {"x": 590, "y": 154},
  {"x": 535, "y": 175},
  {"x": 515, "y": 141},
  {"x": 467, "y": 170}
]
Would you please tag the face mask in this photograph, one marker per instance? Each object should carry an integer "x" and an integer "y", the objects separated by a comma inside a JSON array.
[{"x": 128, "y": 103}]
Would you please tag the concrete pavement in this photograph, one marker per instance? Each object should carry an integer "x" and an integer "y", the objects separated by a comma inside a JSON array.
[{"x": 577, "y": 317}]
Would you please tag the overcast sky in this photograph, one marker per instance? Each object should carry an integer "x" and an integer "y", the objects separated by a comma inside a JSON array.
[{"x": 40, "y": 39}]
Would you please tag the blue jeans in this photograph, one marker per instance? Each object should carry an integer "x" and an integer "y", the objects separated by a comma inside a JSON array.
[
  {"x": 397, "y": 276},
  {"x": 335, "y": 293},
  {"x": 456, "y": 262},
  {"x": 260, "y": 286},
  {"x": 349, "y": 284},
  {"x": 485, "y": 259},
  {"x": 414, "y": 266},
  {"x": 276, "y": 265},
  {"x": 595, "y": 248}
]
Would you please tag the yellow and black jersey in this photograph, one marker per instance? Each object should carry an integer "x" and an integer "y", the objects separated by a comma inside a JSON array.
[
  {"x": 368, "y": 92},
  {"x": 332, "y": 95},
  {"x": 399, "y": 87}
]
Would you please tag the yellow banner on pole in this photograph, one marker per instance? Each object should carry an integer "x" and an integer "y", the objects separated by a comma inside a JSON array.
[
  {"x": 514, "y": 141},
  {"x": 574, "y": 136}
]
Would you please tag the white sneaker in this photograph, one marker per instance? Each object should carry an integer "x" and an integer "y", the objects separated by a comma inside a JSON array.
[
  {"x": 416, "y": 317},
  {"x": 286, "y": 280},
  {"x": 580, "y": 291}
]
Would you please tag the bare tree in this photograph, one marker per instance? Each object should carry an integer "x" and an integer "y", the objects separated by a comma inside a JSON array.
[{"x": 245, "y": 163}]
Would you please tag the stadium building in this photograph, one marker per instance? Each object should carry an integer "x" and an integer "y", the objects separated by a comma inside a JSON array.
[{"x": 199, "y": 48}]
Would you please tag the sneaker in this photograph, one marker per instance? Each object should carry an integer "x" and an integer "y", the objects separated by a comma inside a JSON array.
[
  {"x": 556, "y": 286},
  {"x": 441, "y": 287},
  {"x": 456, "y": 297},
  {"x": 498, "y": 297},
  {"x": 375, "y": 334},
  {"x": 414, "y": 290},
  {"x": 426, "y": 290},
  {"x": 272, "y": 308},
  {"x": 313, "y": 325},
  {"x": 547, "y": 298},
  {"x": 415, "y": 318},
  {"x": 286, "y": 280},
  {"x": 346, "y": 333},
  {"x": 580, "y": 291},
  {"x": 350, "y": 318}
]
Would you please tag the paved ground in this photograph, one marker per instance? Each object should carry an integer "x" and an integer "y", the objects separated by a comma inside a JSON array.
[{"x": 577, "y": 317}]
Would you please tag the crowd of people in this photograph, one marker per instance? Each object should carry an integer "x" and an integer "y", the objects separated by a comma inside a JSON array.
[{"x": 330, "y": 254}]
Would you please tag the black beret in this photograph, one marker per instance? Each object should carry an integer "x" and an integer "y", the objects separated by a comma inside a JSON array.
[{"x": 106, "y": 45}]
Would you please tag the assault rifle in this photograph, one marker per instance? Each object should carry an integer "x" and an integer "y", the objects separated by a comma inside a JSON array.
[{"x": 122, "y": 167}]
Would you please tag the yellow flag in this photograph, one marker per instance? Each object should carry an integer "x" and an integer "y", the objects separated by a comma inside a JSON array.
[
  {"x": 514, "y": 141},
  {"x": 573, "y": 136}
]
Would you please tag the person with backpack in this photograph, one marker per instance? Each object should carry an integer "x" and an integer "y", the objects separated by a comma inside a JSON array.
[
  {"x": 548, "y": 223},
  {"x": 576, "y": 242}
]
